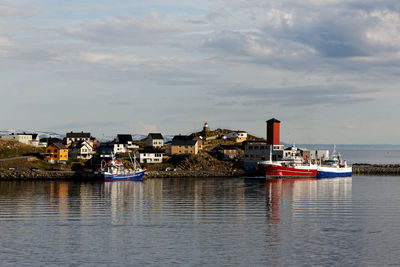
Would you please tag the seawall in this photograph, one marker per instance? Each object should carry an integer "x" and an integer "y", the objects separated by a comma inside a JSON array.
[
  {"x": 71, "y": 175},
  {"x": 358, "y": 169},
  {"x": 376, "y": 169}
]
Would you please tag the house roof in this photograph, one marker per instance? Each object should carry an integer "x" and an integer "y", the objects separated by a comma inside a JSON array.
[
  {"x": 183, "y": 137},
  {"x": 78, "y": 135},
  {"x": 124, "y": 138},
  {"x": 184, "y": 142},
  {"x": 51, "y": 140},
  {"x": 79, "y": 144},
  {"x": 155, "y": 136},
  {"x": 273, "y": 120},
  {"x": 58, "y": 145}
]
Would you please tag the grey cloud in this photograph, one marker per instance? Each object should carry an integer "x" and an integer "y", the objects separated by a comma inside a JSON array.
[
  {"x": 15, "y": 11},
  {"x": 298, "y": 96},
  {"x": 336, "y": 30},
  {"x": 127, "y": 31}
]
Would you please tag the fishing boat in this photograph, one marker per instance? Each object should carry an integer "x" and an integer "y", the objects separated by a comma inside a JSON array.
[
  {"x": 114, "y": 170},
  {"x": 334, "y": 166},
  {"x": 290, "y": 167}
]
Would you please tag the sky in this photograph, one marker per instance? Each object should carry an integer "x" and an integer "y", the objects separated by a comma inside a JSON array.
[{"x": 328, "y": 70}]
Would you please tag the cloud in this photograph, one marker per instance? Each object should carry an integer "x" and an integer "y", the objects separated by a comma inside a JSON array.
[
  {"x": 126, "y": 59},
  {"x": 15, "y": 11},
  {"x": 128, "y": 31},
  {"x": 145, "y": 128},
  {"x": 332, "y": 29},
  {"x": 336, "y": 95}
]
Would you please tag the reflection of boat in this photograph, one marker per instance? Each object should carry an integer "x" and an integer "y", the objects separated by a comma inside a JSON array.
[
  {"x": 334, "y": 167},
  {"x": 291, "y": 167},
  {"x": 114, "y": 170}
]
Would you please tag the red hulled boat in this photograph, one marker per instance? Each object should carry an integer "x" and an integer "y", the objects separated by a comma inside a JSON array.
[
  {"x": 281, "y": 169},
  {"x": 291, "y": 167}
]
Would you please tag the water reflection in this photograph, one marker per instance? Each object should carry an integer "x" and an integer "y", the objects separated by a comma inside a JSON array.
[{"x": 213, "y": 221}]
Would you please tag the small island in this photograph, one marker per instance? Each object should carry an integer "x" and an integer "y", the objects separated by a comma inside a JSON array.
[{"x": 206, "y": 153}]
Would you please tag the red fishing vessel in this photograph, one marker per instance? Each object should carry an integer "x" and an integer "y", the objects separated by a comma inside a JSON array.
[
  {"x": 284, "y": 169},
  {"x": 291, "y": 167}
]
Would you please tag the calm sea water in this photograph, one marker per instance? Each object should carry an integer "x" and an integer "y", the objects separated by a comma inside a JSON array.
[{"x": 192, "y": 222}]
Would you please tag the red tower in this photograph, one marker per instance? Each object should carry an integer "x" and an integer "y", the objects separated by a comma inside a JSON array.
[{"x": 273, "y": 131}]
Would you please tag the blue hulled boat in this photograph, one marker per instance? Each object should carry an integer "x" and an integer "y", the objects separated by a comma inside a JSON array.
[
  {"x": 334, "y": 167},
  {"x": 114, "y": 170}
]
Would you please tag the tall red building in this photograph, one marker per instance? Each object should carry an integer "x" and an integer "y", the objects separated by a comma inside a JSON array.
[{"x": 273, "y": 132}]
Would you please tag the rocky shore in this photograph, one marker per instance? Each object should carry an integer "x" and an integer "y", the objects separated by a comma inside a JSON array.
[
  {"x": 358, "y": 169},
  {"x": 38, "y": 175},
  {"x": 189, "y": 174},
  {"x": 376, "y": 169}
]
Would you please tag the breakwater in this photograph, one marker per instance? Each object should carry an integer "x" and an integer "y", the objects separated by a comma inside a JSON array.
[
  {"x": 376, "y": 169},
  {"x": 189, "y": 174},
  {"x": 38, "y": 175},
  {"x": 69, "y": 175},
  {"x": 358, "y": 169}
]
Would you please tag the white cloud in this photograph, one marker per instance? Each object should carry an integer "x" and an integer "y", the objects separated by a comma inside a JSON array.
[
  {"x": 15, "y": 11},
  {"x": 145, "y": 128},
  {"x": 128, "y": 31},
  {"x": 277, "y": 18}
]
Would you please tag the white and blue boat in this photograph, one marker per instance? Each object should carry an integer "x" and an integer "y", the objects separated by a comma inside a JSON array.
[
  {"x": 114, "y": 170},
  {"x": 334, "y": 167}
]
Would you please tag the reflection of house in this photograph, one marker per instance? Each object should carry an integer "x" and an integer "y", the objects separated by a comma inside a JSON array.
[
  {"x": 56, "y": 153},
  {"x": 154, "y": 140},
  {"x": 25, "y": 138},
  {"x": 149, "y": 156},
  {"x": 80, "y": 150},
  {"x": 182, "y": 144},
  {"x": 226, "y": 152},
  {"x": 238, "y": 136}
]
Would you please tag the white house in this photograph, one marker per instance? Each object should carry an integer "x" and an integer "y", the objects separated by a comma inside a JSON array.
[
  {"x": 154, "y": 140},
  {"x": 76, "y": 137},
  {"x": 124, "y": 143},
  {"x": 80, "y": 150},
  {"x": 25, "y": 138},
  {"x": 238, "y": 136},
  {"x": 149, "y": 156}
]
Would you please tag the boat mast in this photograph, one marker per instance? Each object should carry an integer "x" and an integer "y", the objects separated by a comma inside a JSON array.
[{"x": 270, "y": 153}]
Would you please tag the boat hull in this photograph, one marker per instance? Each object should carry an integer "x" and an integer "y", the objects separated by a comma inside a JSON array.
[
  {"x": 138, "y": 176},
  {"x": 276, "y": 171},
  {"x": 332, "y": 172}
]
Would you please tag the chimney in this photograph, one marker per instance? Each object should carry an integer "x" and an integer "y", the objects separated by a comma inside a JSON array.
[{"x": 273, "y": 132}]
